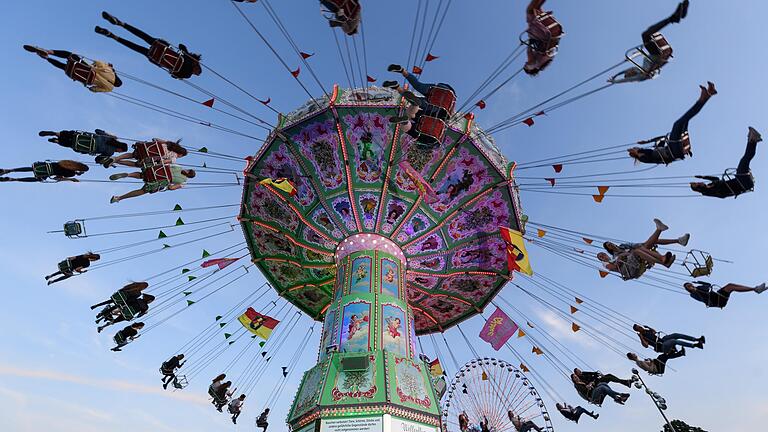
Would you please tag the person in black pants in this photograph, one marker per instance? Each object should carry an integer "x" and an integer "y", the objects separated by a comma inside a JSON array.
[
  {"x": 741, "y": 183},
  {"x": 675, "y": 146},
  {"x": 190, "y": 62},
  {"x": 658, "y": 365},
  {"x": 64, "y": 170}
]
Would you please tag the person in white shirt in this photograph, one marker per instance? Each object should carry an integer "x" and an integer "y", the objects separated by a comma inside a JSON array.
[{"x": 235, "y": 406}]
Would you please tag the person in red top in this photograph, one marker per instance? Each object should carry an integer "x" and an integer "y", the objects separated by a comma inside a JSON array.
[{"x": 543, "y": 39}]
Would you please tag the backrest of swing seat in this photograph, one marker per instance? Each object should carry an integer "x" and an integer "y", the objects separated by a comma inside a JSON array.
[
  {"x": 156, "y": 173},
  {"x": 442, "y": 97},
  {"x": 151, "y": 149},
  {"x": 551, "y": 24},
  {"x": 121, "y": 302},
  {"x": 85, "y": 143},
  {"x": 80, "y": 71},
  {"x": 165, "y": 56},
  {"x": 42, "y": 169},
  {"x": 432, "y": 127},
  {"x": 73, "y": 229},
  {"x": 350, "y": 7},
  {"x": 65, "y": 266},
  {"x": 663, "y": 45}
]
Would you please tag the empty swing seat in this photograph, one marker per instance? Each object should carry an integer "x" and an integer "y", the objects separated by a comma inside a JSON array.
[{"x": 699, "y": 263}]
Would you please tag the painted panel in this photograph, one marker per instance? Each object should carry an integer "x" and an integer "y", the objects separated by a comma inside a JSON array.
[
  {"x": 390, "y": 278},
  {"x": 355, "y": 327},
  {"x": 393, "y": 331},
  {"x": 361, "y": 279},
  {"x": 329, "y": 329}
]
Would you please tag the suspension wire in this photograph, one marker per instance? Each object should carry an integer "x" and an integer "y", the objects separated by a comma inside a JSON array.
[
  {"x": 504, "y": 124},
  {"x": 279, "y": 23},
  {"x": 212, "y": 355},
  {"x": 256, "y": 377},
  {"x": 421, "y": 34},
  {"x": 247, "y": 369},
  {"x": 158, "y": 212},
  {"x": 495, "y": 74},
  {"x": 222, "y": 251},
  {"x": 144, "y": 242},
  {"x": 612, "y": 195},
  {"x": 413, "y": 35},
  {"x": 271, "y": 48},
  {"x": 435, "y": 33},
  {"x": 108, "y": 233},
  {"x": 365, "y": 52},
  {"x": 178, "y": 115},
  {"x": 552, "y": 159},
  {"x": 363, "y": 78},
  {"x": 233, "y": 84},
  {"x": 351, "y": 62},
  {"x": 293, "y": 361},
  {"x": 261, "y": 122},
  {"x": 341, "y": 57}
]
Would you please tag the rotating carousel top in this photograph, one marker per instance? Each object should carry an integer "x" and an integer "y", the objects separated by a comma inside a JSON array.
[{"x": 345, "y": 165}]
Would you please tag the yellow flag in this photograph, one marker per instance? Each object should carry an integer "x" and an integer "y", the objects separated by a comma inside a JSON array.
[
  {"x": 283, "y": 184},
  {"x": 517, "y": 256},
  {"x": 541, "y": 233}
]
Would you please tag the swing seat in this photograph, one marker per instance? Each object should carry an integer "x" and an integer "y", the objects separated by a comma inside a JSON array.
[
  {"x": 543, "y": 35},
  {"x": 66, "y": 267},
  {"x": 548, "y": 21},
  {"x": 180, "y": 382},
  {"x": 662, "y": 45},
  {"x": 731, "y": 177},
  {"x": 430, "y": 130},
  {"x": 345, "y": 9},
  {"x": 85, "y": 143},
  {"x": 698, "y": 263},
  {"x": 42, "y": 170},
  {"x": 80, "y": 71},
  {"x": 157, "y": 177},
  {"x": 120, "y": 341},
  {"x": 161, "y": 54},
  {"x": 216, "y": 398},
  {"x": 152, "y": 153},
  {"x": 443, "y": 98},
  {"x": 126, "y": 311},
  {"x": 74, "y": 229}
]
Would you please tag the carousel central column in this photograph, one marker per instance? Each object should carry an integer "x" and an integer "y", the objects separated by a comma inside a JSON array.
[{"x": 368, "y": 377}]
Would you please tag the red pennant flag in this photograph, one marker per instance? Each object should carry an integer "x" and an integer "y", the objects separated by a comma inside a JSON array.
[
  {"x": 296, "y": 72},
  {"x": 579, "y": 301},
  {"x": 603, "y": 273},
  {"x": 417, "y": 70},
  {"x": 481, "y": 104},
  {"x": 265, "y": 102},
  {"x": 557, "y": 167},
  {"x": 551, "y": 181},
  {"x": 529, "y": 121},
  {"x": 602, "y": 189},
  {"x": 537, "y": 351},
  {"x": 370, "y": 79},
  {"x": 523, "y": 368},
  {"x": 209, "y": 103},
  {"x": 468, "y": 116},
  {"x": 587, "y": 241},
  {"x": 598, "y": 198},
  {"x": 430, "y": 57},
  {"x": 305, "y": 55},
  {"x": 575, "y": 327},
  {"x": 221, "y": 262}
]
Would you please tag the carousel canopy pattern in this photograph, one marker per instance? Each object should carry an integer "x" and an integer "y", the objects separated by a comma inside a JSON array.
[{"x": 342, "y": 156}]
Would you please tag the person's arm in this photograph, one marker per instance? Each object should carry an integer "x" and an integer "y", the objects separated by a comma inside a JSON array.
[
  {"x": 708, "y": 178},
  {"x": 652, "y": 140},
  {"x": 175, "y": 186},
  {"x": 80, "y": 269}
]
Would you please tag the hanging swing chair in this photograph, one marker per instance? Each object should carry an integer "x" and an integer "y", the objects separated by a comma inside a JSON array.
[{"x": 698, "y": 263}]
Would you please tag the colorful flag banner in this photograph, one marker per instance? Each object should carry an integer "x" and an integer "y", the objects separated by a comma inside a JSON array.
[
  {"x": 283, "y": 184},
  {"x": 498, "y": 329},
  {"x": 435, "y": 368},
  {"x": 258, "y": 324},
  {"x": 221, "y": 262},
  {"x": 425, "y": 189},
  {"x": 517, "y": 256}
]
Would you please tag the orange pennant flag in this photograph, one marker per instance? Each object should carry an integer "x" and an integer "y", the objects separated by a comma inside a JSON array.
[
  {"x": 523, "y": 368},
  {"x": 296, "y": 72},
  {"x": 209, "y": 103},
  {"x": 370, "y": 79},
  {"x": 598, "y": 198},
  {"x": 587, "y": 241},
  {"x": 537, "y": 351},
  {"x": 579, "y": 301},
  {"x": 575, "y": 327},
  {"x": 603, "y": 273},
  {"x": 602, "y": 189},
  {"x": 520, "y": 333},
  {"x": 573, "y": 310},
  {"x": 541, "y": 233}
]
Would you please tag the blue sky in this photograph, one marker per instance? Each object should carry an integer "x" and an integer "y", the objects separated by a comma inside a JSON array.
[{"x": 57, "y": 374}]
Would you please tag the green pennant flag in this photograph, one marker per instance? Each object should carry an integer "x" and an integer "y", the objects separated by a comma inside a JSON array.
[
  {"x": 161, "y": 235},
  {"x": 261, "y": 344},
  {"x": 218, "y": 317},
  {"x": 206, "y": 254},
  {"x": 231, "y": 342},
  {"x": 203, "y": 150},
  {"x": 221, "y": 325},
  {"x": 204, "y": 165},
  {"x": 179, "y": 222},
  {"x": 187, "y": 293},
  {"x": 185, "y": 270},
  {"x": 166, "y": 246},
  {"x": 191, "y": 278},
  {"x": 253, "y": 337},
  {"x": 263, "y": 353},
  {"x": 227, "y": 335},
  {"x": 177, "y": 208},
  {"x": 190, "y": 302}
]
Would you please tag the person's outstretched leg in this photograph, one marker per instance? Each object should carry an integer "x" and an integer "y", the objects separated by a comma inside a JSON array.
[
  {"x": 125, "y": 42},
  {"x": 22, "y": 169},
  {"x": 609, "y": 378},
  {"x": 732, "y": 287},
  {"x": 681, "y": 125},
  {"x": 416, "y": 84},
  {"x": 131, "y": 194},
  {"x": 133, "y": 30},
  {"x": 59, "y": 279},
  {"x": 63, "y": 54},
  {"x": 104, "y": 303},
  {"x": 676, "y": 17},
  {"x": 752, "y": 140},
  {"x": 650, "y": 256}
]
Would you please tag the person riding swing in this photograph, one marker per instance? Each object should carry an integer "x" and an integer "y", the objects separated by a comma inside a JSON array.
[
  {"x": 168, "y": 369},
  {"x": 127, "y": 335},
  {"x": 235, "y": 407},
  {"x": 157, "y": 177},
  {"x": 544, "y": 34},
  {"x": 155, "y": 151},
  {"x": 98, "y": 77},
  {"x": 98, "y": 143},
  {"x": 128, "y": 309},
  {"x": 74, "y": 264},
  {"x": 47, "y": 172},
  {"x": 346, "y": 14},
  {"x": 733, "y": 182}
]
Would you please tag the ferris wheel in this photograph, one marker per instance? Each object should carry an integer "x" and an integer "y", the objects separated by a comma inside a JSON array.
[{"x": 494, "y": 392}]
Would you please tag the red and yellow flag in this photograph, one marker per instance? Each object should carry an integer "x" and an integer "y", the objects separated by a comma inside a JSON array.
[
  {"x": 283, "y": 184},
  {"x": 517, "y": 256},
  {"x": 258, "y": 324},
  {"x": 435, "y": 368}
]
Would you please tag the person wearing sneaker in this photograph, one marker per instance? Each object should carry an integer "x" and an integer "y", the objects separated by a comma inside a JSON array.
[
  {"x": 658, "y": 365},
  {"x": 174, "y": 177},
  {"x": 64, "y": 170},
  {"x": 677, "y": 145},
  {"x": 127, "y": 335},
  {"x": 732, "y": 185},
  {"x": 594, "y": 378},
  {"x": 98, "y": 77},
  {"x": 705, "y": 292},
  {"x": 656, "y": 58},
  {"x": 543, "y": 38},
  {"x": 596, "y": 392},
  {"x": 235, "y": 406},
  {"x": 181, "y": 64},
  {"x": 574, "y": 413},
  {"x": 666, "y": 344},
  {"x": 169, "y": 367},
  {"x": 98, "y": 143},
  {"x": 346, "y": 14},
  {"x": 522, "y": 425}
]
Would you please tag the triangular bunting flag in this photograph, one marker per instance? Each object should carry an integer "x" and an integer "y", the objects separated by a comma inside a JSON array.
[
  {"x": 305, "y": 55},
  {"x": 285, "y": 371},
  {"x": 370, "y": 79},
  {"x": 263, "y": 353},
  {"x": 537, "y": 351},
  {"x": 603, "y": 273},
  {"x": 188, "y": 293},
  {"x": 190, "y": 302},
  {"x": 523, "y": 368},
  {"x": 205, "y": 165},
  {"x": 268, "y": 359},
  {"x": 227, "y": 335},
  {"x": 484, "y": 376},
  {"x": 177, "y": 208},
  {"x": 417, "y": 70},
  {"x": 541, "y": 233},
  {"x": 218, "y": 317},
  {"x": 185, "y": 270},
  {"x": 602, "y": 189},
  {"x": 529, "y": 324},
  {"x": 296, "y": 72},
  {"x": 191, "y": 278},
  {"x": 574, "y": 310},
  {"x": 161, "y": 235},
  {"x": 529, "y": 122},
  {"x": 520, "y": 333},
  {"x": 206, "y": 254},
  {"x": 265, "y": 102},
  {"x": 222, "y": 263},
  {"x": 166, "y": 246},
  {"x": 598, "y": 198},
  {"x": 431, "y": 57},
  {"x": 575, "y": 327},
  {"x": 551, "y": 181},
  {"x": 262, "y": 343},
  {"x": 209, "y": 103},
  {"x": 221, "y": 325},
  {"x": 581, "y": 251},
  {"x": 480, "y": 104},
  {"x": 179, "y": 222},
  {"x": 231, "y": 342},
  {"x": 557, "y": 167},
  {"x": 587, "y": 241},
  {"x": 203, "y": 150},
  {"x": 253, "y": 336},
  {"x": 579, "y": 301}
]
